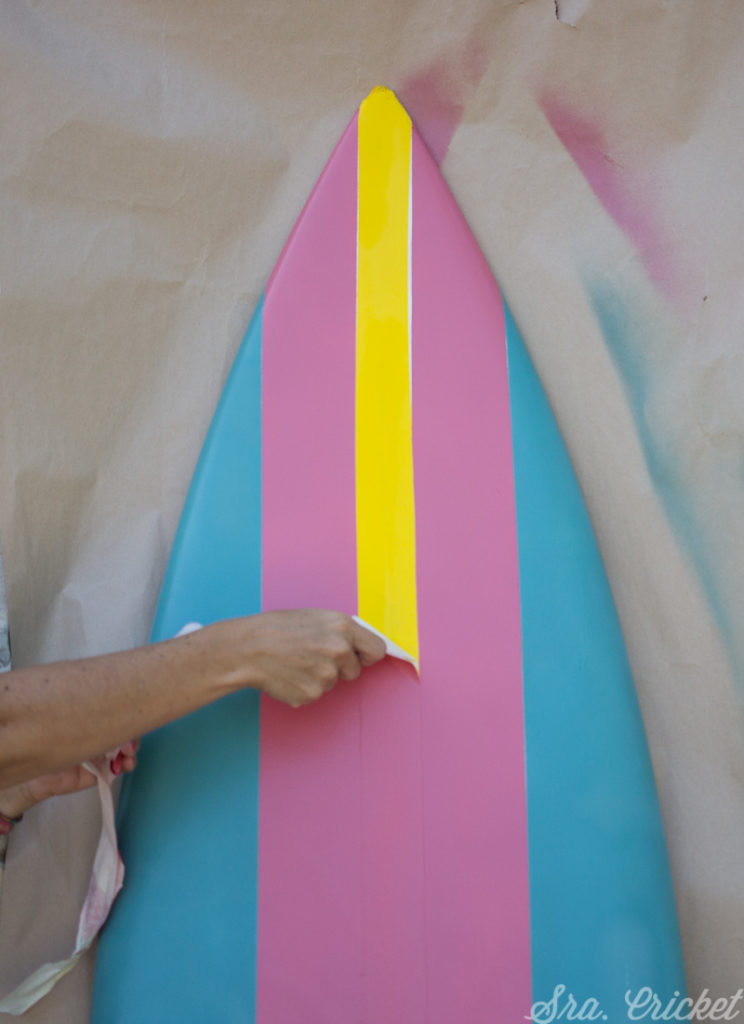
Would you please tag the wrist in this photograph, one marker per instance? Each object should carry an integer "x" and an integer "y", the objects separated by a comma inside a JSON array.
[{"x": 234, "y": 661}]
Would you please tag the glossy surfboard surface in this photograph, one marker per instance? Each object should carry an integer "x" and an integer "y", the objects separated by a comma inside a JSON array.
[{"x": 406, "y": 851}]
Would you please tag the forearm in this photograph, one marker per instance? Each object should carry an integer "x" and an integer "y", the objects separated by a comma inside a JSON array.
[{"x": 54, "y": 716}]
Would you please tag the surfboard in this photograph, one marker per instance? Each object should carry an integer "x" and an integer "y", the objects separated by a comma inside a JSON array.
[{"x": 457, "y": 847}]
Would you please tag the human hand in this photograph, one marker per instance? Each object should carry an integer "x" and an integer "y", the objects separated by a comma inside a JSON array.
[
  {"x": 126, "y": 758},
  {"x": 297, "y": 656},
  {"x": 16, "y": 800}
]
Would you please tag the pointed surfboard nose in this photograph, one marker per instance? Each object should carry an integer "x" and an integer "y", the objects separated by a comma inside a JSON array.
[{"x": 383, "y": 103}]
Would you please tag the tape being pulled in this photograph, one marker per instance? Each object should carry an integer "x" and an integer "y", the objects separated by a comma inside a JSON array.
[{"x": 393, "y": 649}]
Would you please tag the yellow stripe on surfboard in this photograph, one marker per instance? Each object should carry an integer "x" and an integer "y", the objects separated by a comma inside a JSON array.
[{"x": 386, "y": 534}]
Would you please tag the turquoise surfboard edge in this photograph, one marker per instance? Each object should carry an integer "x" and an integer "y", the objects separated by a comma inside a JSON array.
[
  {"x": 214, "y": 571},
  {"x": 602, "y": 910},
  {"x": 181, "y": 940}
]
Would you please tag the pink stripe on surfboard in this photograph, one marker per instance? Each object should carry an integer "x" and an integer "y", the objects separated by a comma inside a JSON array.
[
  {"x": 340, "y": 897},
  {"x": 391, "y": 887},
  {"x": 475, "y": 817},
  {"x": 309, "y": 938}
]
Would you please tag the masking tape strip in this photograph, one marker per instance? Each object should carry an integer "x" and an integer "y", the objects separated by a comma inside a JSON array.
[{"x": 386, "y": 543}]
